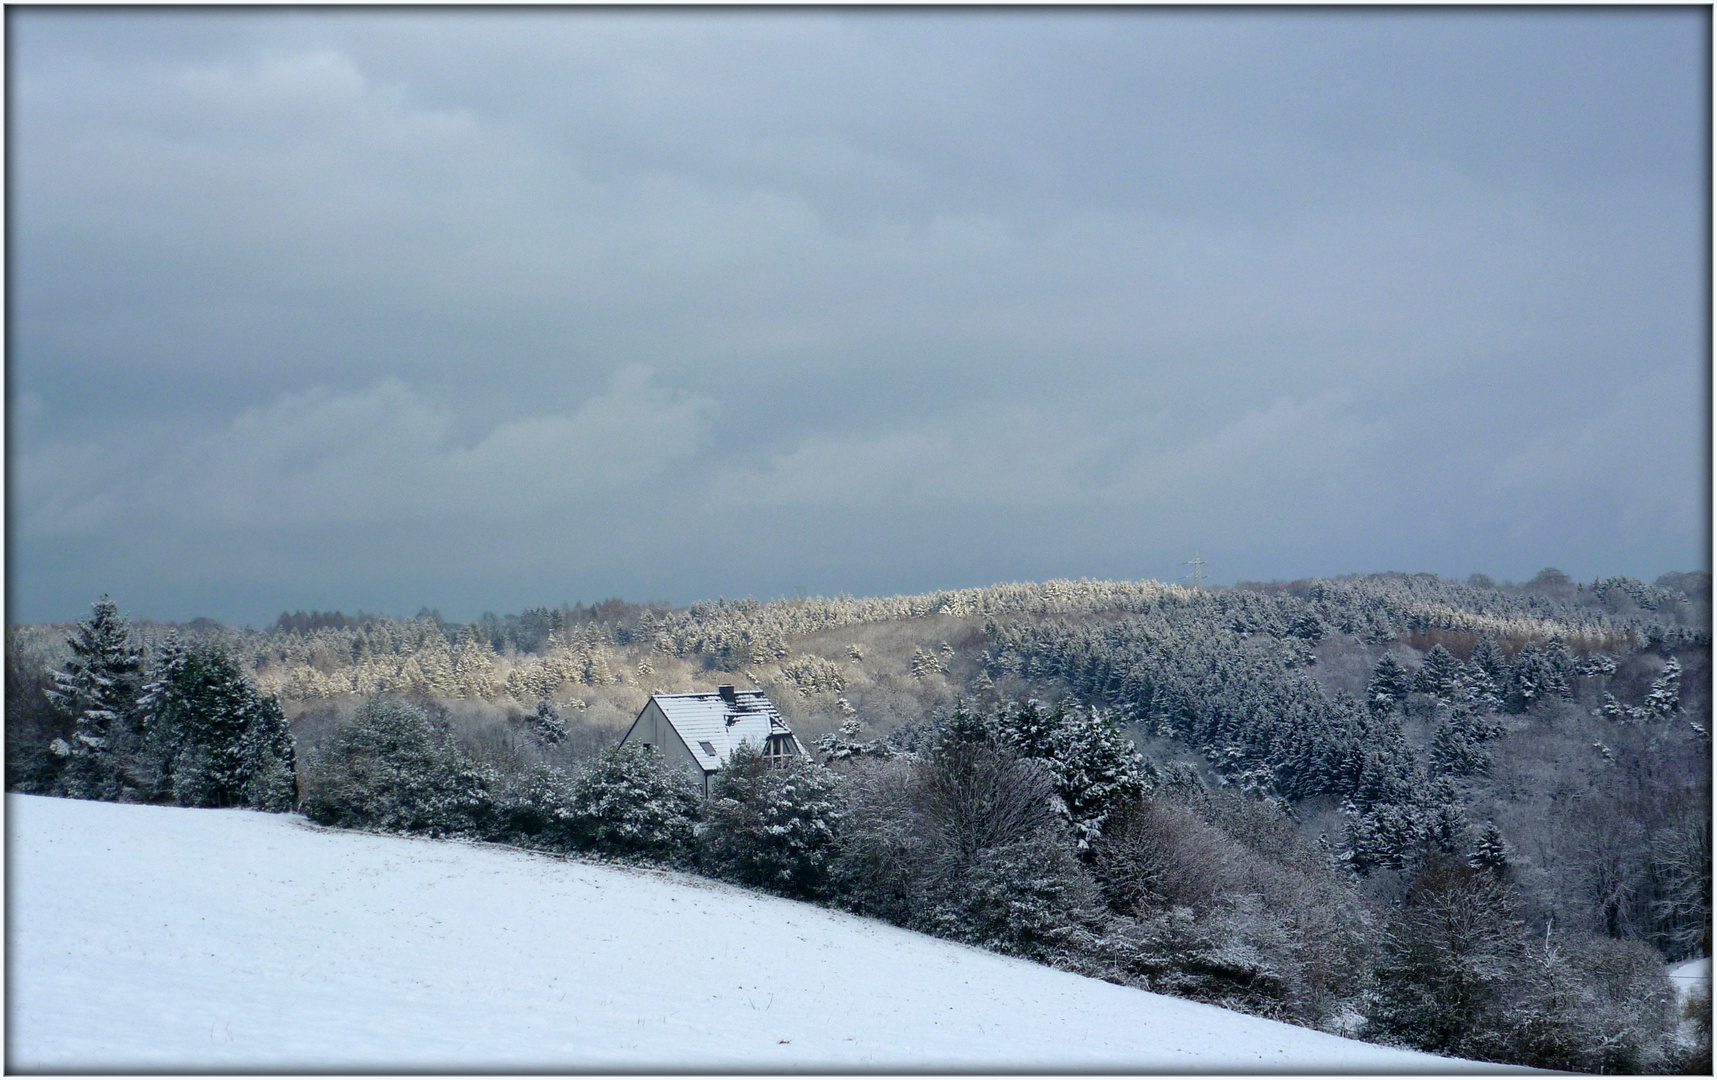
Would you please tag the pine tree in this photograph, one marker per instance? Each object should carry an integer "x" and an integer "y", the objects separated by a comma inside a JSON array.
[
  {"x": 1439, "y": 675},
  {"x": 548, "y": 725},
  {"x": 1389, "y": 686},
  {"x": 213, "y": 740},
  {"x": 98, "y": 691},
  {"x": 1664, "y": 700},
  {"x": 1490, "y": 852}
]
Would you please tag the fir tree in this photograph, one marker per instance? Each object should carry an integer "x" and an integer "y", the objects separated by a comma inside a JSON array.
[
  {"x": 1664, "y": 700},
  {"x": 1389, "y": 686},
  {"x": 98, "y": 691},
  {"x": 1489, "y": 851},
  {"x": 1439, "y": 675},
  {"x": 213, "y": 740},
  {"x": 547, "y": 725}
]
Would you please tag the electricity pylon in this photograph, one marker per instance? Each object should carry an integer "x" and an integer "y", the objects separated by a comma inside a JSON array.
[{"x": 1197, "y": 574}]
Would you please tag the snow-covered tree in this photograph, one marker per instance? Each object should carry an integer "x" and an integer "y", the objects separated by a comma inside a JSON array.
[
  {"x": 1439, "y": 675},
  {"x": 1489, "y": 851},
  {"x": 1449, "y": 956},
  {"x": 213, "y": 739},
  {"x": 1664, "y": 699},
  {"x": 630, "y": 802},
  {"x": 547, "y": 724},
  {"x": 98, "y": 689},
  {"x": 773, "y": 822},
  {"x": 1095, "y": 768},
  {"x": 1456, "y": 752},
  {"x": 1488, "y": 658},
  {"x": 395, "y": 769},
  {"x": 1390, "y": 684},
  {"x": 1538, "y": 674}
]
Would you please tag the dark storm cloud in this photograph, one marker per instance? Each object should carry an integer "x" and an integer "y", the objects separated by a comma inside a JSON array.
[{"x": 482, "y": 309}]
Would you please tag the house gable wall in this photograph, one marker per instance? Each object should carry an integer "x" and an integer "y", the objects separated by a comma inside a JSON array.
[{"x": 653, "y": 729}]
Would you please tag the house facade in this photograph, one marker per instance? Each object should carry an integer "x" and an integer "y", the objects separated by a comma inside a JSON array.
[{"x": 699, "y": 732}]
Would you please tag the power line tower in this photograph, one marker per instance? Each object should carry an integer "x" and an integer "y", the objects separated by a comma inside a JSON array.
[{"x": 1197, "y": 574}]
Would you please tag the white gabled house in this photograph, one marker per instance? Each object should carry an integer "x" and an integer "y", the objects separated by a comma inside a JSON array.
[{"x": 701, "y": 731}]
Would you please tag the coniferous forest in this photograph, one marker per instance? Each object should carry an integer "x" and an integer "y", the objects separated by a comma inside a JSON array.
[{"x": 1466, "y": 817}]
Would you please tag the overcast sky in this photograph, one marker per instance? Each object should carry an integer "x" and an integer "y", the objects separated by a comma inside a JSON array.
[{"x": 487, "y": 309}]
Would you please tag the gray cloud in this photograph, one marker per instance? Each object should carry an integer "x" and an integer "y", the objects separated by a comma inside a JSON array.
[{"x": 330, "y": 308}]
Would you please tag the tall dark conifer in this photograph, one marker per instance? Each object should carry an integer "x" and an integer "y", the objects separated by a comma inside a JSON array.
[
  {"x": 214, "y": 740},
  {"x": 98, "y": 690}
]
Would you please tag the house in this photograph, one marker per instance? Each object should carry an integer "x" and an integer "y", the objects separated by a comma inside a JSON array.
[{"x": 700, "y": 731}]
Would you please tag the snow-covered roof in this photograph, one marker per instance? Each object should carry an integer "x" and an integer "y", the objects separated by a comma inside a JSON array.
[{"x": 713, "y": 727}]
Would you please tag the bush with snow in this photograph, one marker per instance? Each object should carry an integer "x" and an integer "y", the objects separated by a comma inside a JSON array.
[
  {"x": 629, "y": 802},
  {"x": 395, "y": 769},
  {"x": 772, "y": 823}
]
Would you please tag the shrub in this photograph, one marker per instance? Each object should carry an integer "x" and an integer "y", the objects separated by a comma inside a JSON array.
[
  {"x": 1234, "y": 914},
  {"x": 964, "y": 841},
  {"x": 536, "y": 807},
  {"x": 1585, "y": 1003},
  {"x": 630, "y": 803},
  {"x": 394, "y": 769},
  {"x": 773, "y": 823}
]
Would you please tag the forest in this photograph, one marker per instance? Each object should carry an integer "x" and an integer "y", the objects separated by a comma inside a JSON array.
[{"x": 1467, "y": 817}]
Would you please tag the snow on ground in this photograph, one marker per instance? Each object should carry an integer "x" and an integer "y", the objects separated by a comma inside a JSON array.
[
  {"x": 152, "y": 938},
  {"x": 1691, "y": 976}
]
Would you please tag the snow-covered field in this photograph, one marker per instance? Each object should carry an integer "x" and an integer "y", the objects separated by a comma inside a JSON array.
[{"x": 149, "y": 938}]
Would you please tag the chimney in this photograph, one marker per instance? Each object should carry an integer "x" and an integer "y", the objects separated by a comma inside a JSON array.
[{"x": 727, "y": 694}]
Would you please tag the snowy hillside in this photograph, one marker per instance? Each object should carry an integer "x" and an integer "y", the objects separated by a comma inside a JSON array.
[{"x": 167, "y": 939}]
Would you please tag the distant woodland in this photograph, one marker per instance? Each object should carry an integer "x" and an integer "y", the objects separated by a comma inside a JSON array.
[{"x": 1467, "y": 817}]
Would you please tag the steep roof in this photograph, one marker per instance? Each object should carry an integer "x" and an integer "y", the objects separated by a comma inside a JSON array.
[{"x": 713, "y": 727}]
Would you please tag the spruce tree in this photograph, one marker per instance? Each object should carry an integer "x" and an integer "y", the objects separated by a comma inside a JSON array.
[
  {"x": 1489, "y": 659},
  {"x": 213, "y": 740},
  {"x": 1490, "y": 852},
  {"x": 1440, "y": 675},
  {"x": 1096, "y": 769},
  {"x": 1664, "y": 700},
  {"x": 547, "y": 724},
  {"x": 98, "y": 690},
  {"x": 1389, "y": 686}
]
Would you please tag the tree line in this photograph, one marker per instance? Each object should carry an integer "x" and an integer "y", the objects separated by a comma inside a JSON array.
[{"x": 1041, "y": 831}]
